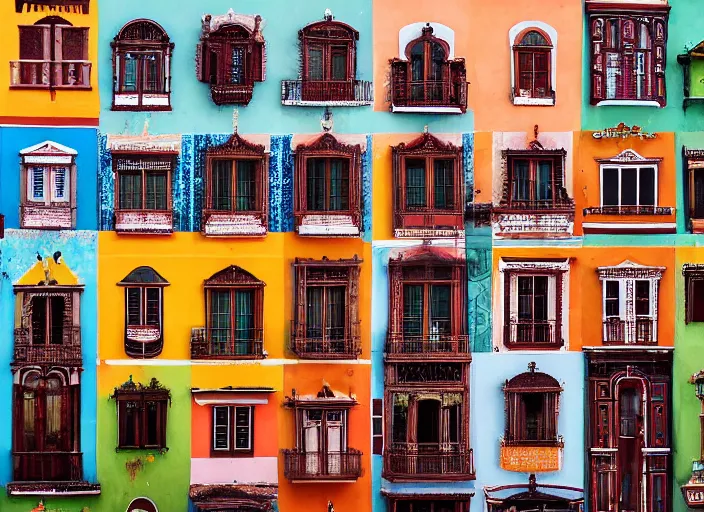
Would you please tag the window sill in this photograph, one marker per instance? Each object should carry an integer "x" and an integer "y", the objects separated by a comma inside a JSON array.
[
  {"x": 59, "y": 488},
  {"x": 427, "y": 110},
  {"x": 628, "y": 210},
  {"x": 141, "y": 102},
  {"x": 233, "y": 224},
  {"x": 154, "y": 449},
  {"x": 148, "y": 222},
  {"x": 218, "y": 454},
  {"x": 41, "y": 216},
  {"x": 327, "y": 225},
  {"x": 533, "y": 102},
  {"x": 628, "y": 103},
  {"x": 52, "y": 87}
]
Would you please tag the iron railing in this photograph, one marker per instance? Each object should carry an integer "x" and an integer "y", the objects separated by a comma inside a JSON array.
[
  {"x": 429, "y": 461},
  {"x": 533, "y": 436},
  {"x": 345, "y": 465},
  {"x": 231, "y": 94},
  {"x": 295, "y": 92},
  {"x": 47, "y": 466},
  {"x": 442, "y": 345},
  {"x": 215, "y": 343},
  {"x": 619, "y": 331},
  {"x": 427, "y": 93},
  {"x": 64, "y": 350},
  {"x": 310, "y": 342},
  {"x": 541, "y": 332},
  {"x": 69, "y": 74}
]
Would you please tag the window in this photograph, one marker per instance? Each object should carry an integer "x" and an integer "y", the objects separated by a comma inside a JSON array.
[
  {"x": 694, "y": 188},
  {"x": 233, "y": 429},
  {"x": 144, "y": 312},
  {"x": 628, "y": 53},
  {"x": 377, "y": 426},
  {"x": 327, "y": 188},
  {"x": 535, "y": 179},
  {"x": 628, "y": 321},
  {"x": 425, "y": 77},
  {"x": 532, "y": 55},
  {"x": 235, "y": 189},
  {"x": 628, "y": 186},
  {"x": 231, "y": 56},
  {"x": 143, "y": 183},
  {"x": 430, "y": 503},
  {"x": 326, "y": 316},
  {"x": 53, "y": 54},
  {"x": 532, "y": 407},
  {"x": 692, "y": 62},
  {"x": 141, "y": 415},
  {"x": 48, "y": 317},
  {"x": 141, "y": 67},
  {"x": 47, "y": 184},
  {"x": 429, "y": 188},
  {"x": 694, "y": 292},
  {"x": 234, "y": 317}
]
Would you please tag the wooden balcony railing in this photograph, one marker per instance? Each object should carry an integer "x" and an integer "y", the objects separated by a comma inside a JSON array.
[
  {"x": 330, "y": 466},
  {"x": 448, "y": 93},
  {"x": 538, "y": 333},
  {"x": 47, "y": 466},
  {"x": 617, "y": 331},
  {"x": 308, "y": 342},
  {"x": 46, "y": 74},
  {"x": 209, "y": 343},
  {"x": 65, "y": 350},
  {"x": 427, "y": 461},
  {"x": 320, "y": 92},
  {"x": 231, "y": 94},
  {"x": 144, "y": 221},
  {"x": 433, "y": 346},
  {"x": 538, "y": 436}
]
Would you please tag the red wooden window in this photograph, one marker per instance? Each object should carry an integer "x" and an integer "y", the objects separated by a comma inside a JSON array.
[
  {"x": 694, "y": 293},
  {"x": 49, "y": 314},
  {"x": 535, "y": 180},
  {"x": 143, "y": 183},
  {"x": 233, "y": 431},
  {"x": 141, "y": 418},
  {"x": 53, "y": 54},
  {"x": 532, "y": 52},
  {"x": 628, "y": 53},
  {"x": 141, "y": 67}
]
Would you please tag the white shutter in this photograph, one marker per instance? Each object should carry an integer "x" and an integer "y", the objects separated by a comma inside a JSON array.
[
  {"x": 35, "y": 183},
  {"x": 60, "y": 184},
  {"x": 311, "y": 446},
  {"x": 513, "y": 292},
  {"x": 334, "y": 447}
]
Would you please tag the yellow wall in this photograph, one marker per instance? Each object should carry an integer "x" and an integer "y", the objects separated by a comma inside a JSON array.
[{"x": 42, "y": 103}]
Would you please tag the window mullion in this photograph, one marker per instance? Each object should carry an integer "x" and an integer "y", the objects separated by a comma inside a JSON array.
[
  {"x": 328, "y": 184},
  {"x": 232, "y": 437},
  {"x": 233, "y": 319},
  {"x": 233, "y": 185},
  {"x": 429, "y": 183}
]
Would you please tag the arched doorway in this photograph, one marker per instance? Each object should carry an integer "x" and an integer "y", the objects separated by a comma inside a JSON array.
[{"x": 142, "y": 505}]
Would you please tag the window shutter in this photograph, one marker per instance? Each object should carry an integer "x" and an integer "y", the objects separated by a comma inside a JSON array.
[
  {"x": 258, "y": 62},
  {"x": 74, "y": 43},
  {"x": 33, "y": 42},
  {"x": 513, "y": 296},
  {"x": 598, "y": 60},
  {"x": 36, "y": 191},
  {"x": 134, "y": 316},
  {"x": 377, "y": 426},
  {"x": 552, "y": 300},
  {"x": 59, "y": 183}
]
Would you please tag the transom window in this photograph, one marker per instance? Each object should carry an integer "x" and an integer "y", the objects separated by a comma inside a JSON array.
[
  {"x": 141, "y": 415},
  {"x": 628, "y": 185},
  {"x": 143, "y": 183},
  {"x": 532, "y": 60},
  {"x": 233, "y": 432}
]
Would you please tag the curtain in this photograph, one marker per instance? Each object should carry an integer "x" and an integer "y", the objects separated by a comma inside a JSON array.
[
  {"x": 244, "y": 322},
  {"x": 444, "y": 187},
  {"x": 156, "y": 191},
  {"x": 315, "y": 184},
  {"x": 415, "y": 183},
  {"x": 311, "y": 439},
  {"x": 220, "y": 321},
  {"x": 339, "y": 184},
  {"x": 130, "y": 191},
  {"x": 333, "y": 424},
  {"x": 221, "y": 186},
  {"x": 245, "y": 198},
  {"x": 413, "y": 310}
]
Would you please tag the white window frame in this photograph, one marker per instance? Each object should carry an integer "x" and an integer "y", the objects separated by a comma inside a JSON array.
[
  {"x": 142, "y": 304},
  {"x": 215, "y": 425},
  {"x": 250, "y": 444},
  {"x": 620, "y": 168},
  {"x": 513, "y": 33},
  {"x": 49, "y": 185}
]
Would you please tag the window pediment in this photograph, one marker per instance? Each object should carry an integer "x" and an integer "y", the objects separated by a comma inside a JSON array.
[
  {"x": 630, "y": 270},
  {"x": 142, "y": 31},
  {"x": 233, "y": 276},
  {"x": 327, "y": 143},
  {"x": 629, "y": 156},
  {"x": 532, "y": 381},
  {"x": 237, "y": 146},
  {"x": 144, "y": 276},
  {"x": 329, "y": 29},
  {"x": 48, "y": 152}
]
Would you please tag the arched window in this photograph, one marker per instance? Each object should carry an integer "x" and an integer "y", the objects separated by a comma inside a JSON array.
[
  {"x": 53, "y": 54},
  {"x": 532, "y": 54},
  {"x": 142, "y": 505},
  {"x": 141, "y": 57}
]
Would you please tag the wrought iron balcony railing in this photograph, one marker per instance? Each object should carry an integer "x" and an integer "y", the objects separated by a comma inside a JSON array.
[
  {"x": 322, "y": 92},
  {"x": 330, "y": 466},
  {"x": 309, "y": 342},
  {"x": 536, "y": 333},
  {"x": 429, "y": 461},
  {"x": 212, "y": 343},
  {"x": 64, "y": 348},
  {"x": 47, "y": 466},
  {"x": 432, "y": 346},
  {"x": 640, "y": 331}
]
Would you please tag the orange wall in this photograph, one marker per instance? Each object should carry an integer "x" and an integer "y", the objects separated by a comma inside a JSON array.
[
  {"x": 585, "y": 296},
  {"x": 489, "y": 64}
]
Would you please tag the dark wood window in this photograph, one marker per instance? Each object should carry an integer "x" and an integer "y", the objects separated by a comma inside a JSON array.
[
  {"x": 326, "y": 321},
  {"x": 535, "y": 180},
  {"x": 141, "y": 415},
  {"x": 532, "y": 54},
  {"x": 694, "y": 293},
  {"x": 45, "y": 427},
  {"x": 377, "y": 426},
  {"x": 48, "y": 317},
  {"x": 144, "y": 312},
  {"x": 234, "y": 317},
  {"x": 143, "y": 183},
  {"x": 694, "y": 186},
  {"x": 428, "y": 187},
  {"x": 141, "y": 67},
  {"x": 233, "y": 185},
  {"x": 628, "y": 53},
  {"x": 53, "y": 54},
  {"x": 328, "y": 188},
  {"x": 231, "y": 57},
  {"x": 233, "y": 430},
  {"x": 532, "y": 408},
  {"x": 426, "y": 77},
  {"x": 80, "y": 6}
]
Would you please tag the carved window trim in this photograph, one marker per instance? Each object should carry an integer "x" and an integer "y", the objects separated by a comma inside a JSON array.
[
  {"x": 41, "y": 66},
  {"x": 548, "y": 334},
  {"x": 137, "y": 397},
  {"x": 328, "y": 222},
  {"x": 427, "y": 221},
  {"x": 144, "y": 165},
  {"x": 326, "y": 273},
  {"x": 145, "y": 40},
  {"x": 330, "y": 37},
  {"x": 547, "y": 51},
  {"x": 519, "y": 391},
  {"x": 535, "y": 156},
  {"x": 231, "y": 451},
  {"x": 231, "y": 83},
  {"x": 653, "y": 18},
  {"x": 75, "y": 6}
]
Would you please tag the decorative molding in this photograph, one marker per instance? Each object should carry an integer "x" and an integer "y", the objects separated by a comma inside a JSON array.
[
  {"x": 233, "y": 276},
  {"x": 630, "y": 270},
  {"x": 623, "y": 131},
  {"x": 628, "y": 156}
]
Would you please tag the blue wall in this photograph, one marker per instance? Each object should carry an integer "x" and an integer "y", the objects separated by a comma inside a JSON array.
[
  {"x": 18, "y": 253},
  {"x": 83, "y": 140}
]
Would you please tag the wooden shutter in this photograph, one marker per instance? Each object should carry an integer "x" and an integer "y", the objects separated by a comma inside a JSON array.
[
  {"x": 377, "y": 426},
  {"x": 74, "y": 43},
  {"x": 34, "y": 42},
  {"x": 598, "y": 62},
  {"x": 257, "y": 62},
  {"x": 458, "y": 79}
]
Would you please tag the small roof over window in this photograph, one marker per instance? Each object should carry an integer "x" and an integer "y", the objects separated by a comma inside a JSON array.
[
  {"x": 532, "y": 381},
  {"x": 144, "y": 276},
  {"x": 324, "y": 398},
  {"x": 231, "y": 276},
  {"x": 48, "y": 152},
  {"x": 49, "y": 271}
]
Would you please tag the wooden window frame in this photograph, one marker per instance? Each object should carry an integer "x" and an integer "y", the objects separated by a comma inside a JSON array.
[
  {"x": 144, "y": 159},
  {"x": 693, "y": 276},
  {"x": 232, "y": 451},
  {"x": 328, "y": 35},
  {"x": 141, "y": 399},
  {"x": 142, "y": 37},
  {"x": 560, "y": 199},
  {"x": 547, "y": 50},
  {"x": 67, "y": 316},
  {"x": 258, "y": 176},
  {"x": 377, "y": 426},
  {"x": 655, "y": 19},
  {"x": 325, "y": 409}
]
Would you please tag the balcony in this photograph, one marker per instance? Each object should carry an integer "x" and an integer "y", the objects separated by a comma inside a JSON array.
[
  {"x": 220, "y": 344},
  {"x": 66, "y": 350},
  {"x": 429, "y": 223},
  {"x": 534, "y": 219},
  {"x": 621, "y": 332},
  {"x": 416, "y": 461},
  {"x": 45, "y": 74},
  {"x": 327, "y": 343},
  {"x": 152, "y": 222},
  {"x": 322, "y": 466},
  {"x": 231, "y": 94},
  {"x": 447, "y": 96},
  {"x": 42, "y": 216},
  {"x": 435, "y": 346},
  {"x": 330, "y": 93},
  {"x": 532, "y": 335},
  {"x": 47, "y": 466}
]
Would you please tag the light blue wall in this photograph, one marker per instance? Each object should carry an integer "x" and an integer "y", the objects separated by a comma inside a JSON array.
[
  {"x": 83, "y": 140},
  {"x": 193, "y": 110},
  {"x": 18, "y": 252}
]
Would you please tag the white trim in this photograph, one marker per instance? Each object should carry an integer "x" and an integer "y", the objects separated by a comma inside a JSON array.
[
  {"x": 415, "y": 30},
  {"x": 552, "y": 33},
  {"x": 655, "y": 450},
  {"x": 93, "y": 492},
  {"x": 231, "y": 401},
  {"x": 63, "y": 149},
  {"x": 225, "y": 362},
  {"x": 533, "y": 102},
  {"x": 349, "y": 103},
  {"x": 628, "y": 103},
  {"x": 457, "y": 243},
  {"x": 621, "y": 166},
  {"x": 427, "y": 110},
  {"x": 227, "y": 448},
  {"x": 615, "y": 226}
]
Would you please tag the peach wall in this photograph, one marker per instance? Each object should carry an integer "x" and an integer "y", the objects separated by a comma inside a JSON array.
[
  {"x": 585, "y": 293},
  {"x": 391, "y": 15},
  {"x": 485, "y": 27},
  {"x": 587, "y": 179}
]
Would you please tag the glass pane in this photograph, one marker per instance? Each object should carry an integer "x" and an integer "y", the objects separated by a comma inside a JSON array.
[
  {"x": 610, "y": 186},
  {"x": 246, "y": 185},
  {"x": 521, "y": 180},
  {"x": 134, "y": 297},
  {"x": 221, "y": 430},
  {"x": 339, "y": 184},
  {"x": 29, "y": 415},
  {"x": 612, "y": 298},
  {"x": 413, "y": 309},
  {"x": 415, "y": 183},
  {"x": 399, "y": 420},
  {"x": 152, "y": 63},
  {"x": 315, "y": 184},
  {"x": 541, "y": 298},
  {"x": 525, "y": 298},
  {"x": 57, "y": 320},
  {"x": 315, "y": 63},
  {"x": 646, "y": 187},
  {"x": 39, "y": 314},
  {"x": 237, "y": 73},
  {"x": 220, "y": 320},
  {"x": 314, "y": 312},
  {"x": 534, "y": 38},
  {"x": 642, "y": 298},
  {"x": 543, "y": 185},
  {"x": 221, "y": 186},
  {"x": 37, "y": 174},
  {"x": 129, "y": 83},
  {"x": 437, "y": 67},
  {"x": 156, "y": 191},
  {"x": 418, "y": 62},
  {"x": 339, "y": 63},
  {"x": 131, "y": 418},
  {"x": 242, "y": 430},
  {"x": 440, "y": 309},
  {"x": 152, "y": 424},
  {"x": 629, "y": 184},
  {"x": 60, "y": 183},
  {"x": 335, "y": 318},
  {"x": 153, "y": 314},
  {"x": 244, "y": 321},
  {"x": 130, "y": 192},
  {"x": 444, "y": 187}
]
